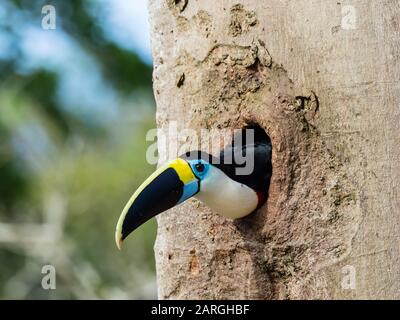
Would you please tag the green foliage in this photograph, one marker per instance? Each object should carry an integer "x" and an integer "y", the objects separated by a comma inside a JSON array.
[{"x": 65, "y": 177}]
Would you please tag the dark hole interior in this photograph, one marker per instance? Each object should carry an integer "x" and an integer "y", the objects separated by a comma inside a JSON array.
[{"x": 259, "y": 133}]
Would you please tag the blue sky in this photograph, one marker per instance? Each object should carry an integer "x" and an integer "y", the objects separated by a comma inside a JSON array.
[
  {"x": 126, "y": 22},
  {"x": 82, "y": 89}
]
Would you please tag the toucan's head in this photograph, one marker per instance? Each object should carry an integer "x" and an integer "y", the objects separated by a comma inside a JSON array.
[{"x": 168, "y": 186}]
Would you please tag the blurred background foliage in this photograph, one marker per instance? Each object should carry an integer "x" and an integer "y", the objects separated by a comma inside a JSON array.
[{"x": 75, "y": 106}]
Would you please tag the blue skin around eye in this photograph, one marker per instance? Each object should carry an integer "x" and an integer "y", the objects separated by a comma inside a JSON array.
[
  {"x": 191, "y": 188},
  {"x": 200, "y": 175}
]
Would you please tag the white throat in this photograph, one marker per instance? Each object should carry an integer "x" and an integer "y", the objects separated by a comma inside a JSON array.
[{"x": 225, "y": 196}]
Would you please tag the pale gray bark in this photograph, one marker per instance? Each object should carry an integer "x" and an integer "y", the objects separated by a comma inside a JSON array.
[{"x": 334, "y": 203}]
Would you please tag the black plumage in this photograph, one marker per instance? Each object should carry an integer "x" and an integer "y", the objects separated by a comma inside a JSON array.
[{"x": 258, "y": 149}]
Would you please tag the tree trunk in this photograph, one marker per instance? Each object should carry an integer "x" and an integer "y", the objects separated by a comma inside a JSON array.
[{"x": 322, "y": 78}]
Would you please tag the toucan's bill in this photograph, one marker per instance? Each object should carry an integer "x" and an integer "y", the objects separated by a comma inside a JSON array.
[{"x": 168, "y": 186}]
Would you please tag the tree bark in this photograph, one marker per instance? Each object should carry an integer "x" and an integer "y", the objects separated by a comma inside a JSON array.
[{"x": 322, "y": 78}]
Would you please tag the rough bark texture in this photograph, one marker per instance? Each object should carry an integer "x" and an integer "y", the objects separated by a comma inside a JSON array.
[{"x": 328, "y": 96}]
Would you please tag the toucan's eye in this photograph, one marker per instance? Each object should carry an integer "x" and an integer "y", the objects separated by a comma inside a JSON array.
[{"x": 199, "y": 167}]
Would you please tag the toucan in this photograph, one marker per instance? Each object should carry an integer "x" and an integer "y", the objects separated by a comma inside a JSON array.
[{"x": 215, "y": 181}]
